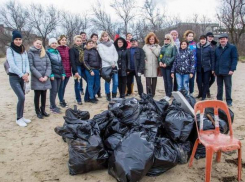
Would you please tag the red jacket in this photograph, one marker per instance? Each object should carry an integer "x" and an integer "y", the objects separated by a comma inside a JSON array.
[
  {"x": 64, "y": 53},
  {"x": 129, "y": 44}
]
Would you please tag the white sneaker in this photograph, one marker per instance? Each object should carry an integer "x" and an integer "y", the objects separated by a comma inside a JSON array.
[
  {"x": 20, "y": 122},
  {"x": 167, "y": 98},
  {"x": 26, "y": 120}
]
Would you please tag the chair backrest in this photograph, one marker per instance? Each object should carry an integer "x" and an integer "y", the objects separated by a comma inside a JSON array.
[{"x": 216, "y": 105}]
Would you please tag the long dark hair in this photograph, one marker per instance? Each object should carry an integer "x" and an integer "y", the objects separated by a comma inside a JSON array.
[{"x": 125, "y": 44}]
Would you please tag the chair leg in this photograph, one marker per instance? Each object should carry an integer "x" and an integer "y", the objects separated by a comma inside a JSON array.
[
  {"x": 209, "y": 160},
  {"x": 239, "y": 164},
  {"x": 218, "y": 156},
  {"x": 193, "y": 152}
]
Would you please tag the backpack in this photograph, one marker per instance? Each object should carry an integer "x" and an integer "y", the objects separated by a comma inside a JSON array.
[{"x": 6, "y": 64}]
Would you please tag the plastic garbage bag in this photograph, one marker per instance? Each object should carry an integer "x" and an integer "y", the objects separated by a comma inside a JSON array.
[
  {"x": 76, "y": 113},
  {"x": 116, "y": 126},
  {"x": 189, "y": 98},
  {"x": 112, "y": 142},
  {"x": 184, "y": 151},
  {"x": 165, "y": 157},
  {"x": 103, "y": 120},
  {"x": 178, "y": 124},
  {"x": 132, "y": 158}
]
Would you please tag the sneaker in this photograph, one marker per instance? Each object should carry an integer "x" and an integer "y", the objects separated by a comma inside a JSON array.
[
  {"x": 167, "y": 98},
  {"x": 55, "y": 110},
  {"x": 63, "y": 104},
  {"x": 93, "y": 101},
  {"x": 82, "y": 93},
  {"x": 229, "y": 105},
  {"x": 96, "y": 99},
  {"x": 26, "y": 120},
  {"x": 21, "y": 123},
  {"x": 208, "y": 95},
  {"x": 79, "y": 103}
]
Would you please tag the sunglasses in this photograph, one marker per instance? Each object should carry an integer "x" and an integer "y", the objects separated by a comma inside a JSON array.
[{"x": 166, "y": 39}]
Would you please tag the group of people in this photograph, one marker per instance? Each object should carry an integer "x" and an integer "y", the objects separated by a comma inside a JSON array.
[{"x": 176, "y": 60}]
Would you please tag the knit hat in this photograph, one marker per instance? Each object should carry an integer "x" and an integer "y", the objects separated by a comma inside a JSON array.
[
  {"x": 52, "y": 40},
  {"x": 210, "y": 34},
  {"x": 16, "y": 34},
  {"x": 174, "y": 31}
]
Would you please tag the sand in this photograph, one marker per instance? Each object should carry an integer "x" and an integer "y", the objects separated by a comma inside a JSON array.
[{"x": 37, "y": 154}]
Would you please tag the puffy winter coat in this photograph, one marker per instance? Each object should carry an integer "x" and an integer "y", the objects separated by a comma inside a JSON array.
[
  {"x": 139, "y": 60},
  {"x": 184, "y": 62},
  {"x": 65, "y": 57},
  {"x": 92, "y": 59},
  {"x": 122, "y": 56},
  {"x": 40, "y": 67},
  {"x": 167, "y": 54},
  {"x": 151, "y": 63},
  {"x": 225, "y": 59},
  {"x": 205, "y": 57},
  {"x": 56, "y": 63},
  {"x": 108, "y": 55}
]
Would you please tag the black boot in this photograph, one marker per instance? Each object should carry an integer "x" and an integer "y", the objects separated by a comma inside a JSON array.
[
  {"x": 108, "y": 97},
  {"x": 43, "y": 112},
  {"x": 114, "y": 95},
  {"x": 99, "y": 95},
  {"x": 39, "y": 115}
]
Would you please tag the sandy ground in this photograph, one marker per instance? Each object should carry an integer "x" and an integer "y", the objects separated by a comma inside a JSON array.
[{"x": 37, "y": 154}]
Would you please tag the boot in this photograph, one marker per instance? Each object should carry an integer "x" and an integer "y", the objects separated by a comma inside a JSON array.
[
  {"x": 114, "y": 95},
  {"x": 39, "y": 115},
  {"x": 108, "y": 97},
  {"x": 43, "y": 112},
  {"x": 99, "y": 95}
]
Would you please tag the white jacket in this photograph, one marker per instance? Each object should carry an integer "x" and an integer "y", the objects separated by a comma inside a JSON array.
[{"x": 109, "y": 55}]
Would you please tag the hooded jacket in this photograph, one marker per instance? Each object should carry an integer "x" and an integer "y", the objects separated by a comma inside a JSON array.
[
  {"x": 65, "y": 57},
  {"x": 40, "y": 67},
  {"x": 92, "y": 59},
  {"x": 205, "y": 57},
  {"x": 122, "y": 56}
]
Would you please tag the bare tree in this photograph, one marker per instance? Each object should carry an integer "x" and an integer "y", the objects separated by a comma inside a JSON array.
[
  {"x": 126, "y": 10},
  {"x": 44, "y": 20},
  {"x": 205, "y": 22},
  {"x": 232, "y": 16}
]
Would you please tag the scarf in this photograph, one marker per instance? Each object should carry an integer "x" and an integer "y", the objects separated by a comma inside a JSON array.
[
  {"x": 107, "y": 43},
  {"x": 18, "y": 49},
  {"x": 55, "y": 51},
  {"x": 81, "y": 52}
]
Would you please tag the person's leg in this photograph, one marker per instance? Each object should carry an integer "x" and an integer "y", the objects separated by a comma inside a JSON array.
[
  {"x": 129, "y": 82},
  {"x": 148, "y": 85},
  {"x": 115, "y": 84},
  {"x": 154, "y": 85},
  {"x": 199, "y": 83},
  {"x": 164, "y": 74},
  {"x": 77, "y": 86},
  {"x": 90, "y": 82},
  {"x": 61, "y": 91},
  {"x": 123, "y": 87},
  {"x": 43, "y": 99},
  {"x": 175, "y": 83},
  {"x": 53, "y": 93},
  {"x": 83, "y": 75},
  {"x": 179, "y": 81},
  {"x": 37, "y": 94},
  {"x": 186, "y": 81},
  {"x": 228, "y": 86},
  {"x": 192, "y": 83},
  {"x": 96, "y": 81},
  {"x": 120, "y": 80},
  {"x": 211, "y": 81},
  {"x": 64, "y": 87},
  {"x": 220, "y": 87},
  {"x": 206, "y": 78},
  {"x": 17, "y": 84},
  {"x": 169, "y": 82},
  {"x": 139, "y": 84}
]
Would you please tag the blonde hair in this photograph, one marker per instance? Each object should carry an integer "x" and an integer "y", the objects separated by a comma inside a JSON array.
[
  {"x": 77, "y": 37},
  {"x": 103, "y": 34},
  {"x": 151, "y": 34},
  {"x": 43, "y": 51},
  {"x": 187, "y": 32},
  {"x": 172, "y": 43}
]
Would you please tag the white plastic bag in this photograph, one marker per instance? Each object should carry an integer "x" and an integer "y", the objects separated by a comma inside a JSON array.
[{"x": 27, "y": 87}]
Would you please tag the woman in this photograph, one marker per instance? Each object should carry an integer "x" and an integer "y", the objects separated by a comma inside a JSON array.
[
  {"x": 109, "y": 58},
  {"x": 189, "y": 36},
  {"x": 18, "y": 73},
  {"x": 76, "y": 56},
  {"x": 205, "y": 66},
  {"x": 152, "y": 50},
  {"x": 57, "y": 74},
  {"x": 92, "y": 64},
  {"x": 166, "y": 59},
  {"x": 121, "y": 47},
  {"x": 64, "y": 53},
  {"x": 184, "y": 66},
  {"x": 40, "y": 72}
]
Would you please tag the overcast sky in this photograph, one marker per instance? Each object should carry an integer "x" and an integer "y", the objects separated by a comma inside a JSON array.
[{"x": 183, "y": 8}]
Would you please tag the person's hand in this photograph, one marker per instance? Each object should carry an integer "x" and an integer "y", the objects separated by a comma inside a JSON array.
[
  {"x": 164, "y": 65},
  {"x": 45, "y": 78},
  {"x": 139, "y": 74},
  {"x": 191, "y": 75},
  {"x": 128, "y": 72},
  {"x": 52, "y": 78},
  {"x": 92, "y": 73},
  {"x": 172, "y": 75},
  {"x": 41, "y": 79},
  {"x": 77, "y": 75},
  {"x": 113, "y": 66},
  {"x": 231, "y": 72},
  {"x": 63, "y": 77},
  {"x": 213, "y": 72},
  {"x": 25, "y": 77},
  {"x": 160, "y": 64}
]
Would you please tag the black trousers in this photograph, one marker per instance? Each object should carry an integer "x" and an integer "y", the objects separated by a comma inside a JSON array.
[
  {"x": 122, "y": 83},
  {"x": 151, "y": 83},
  {"x": 37, "y": 95},
  {"x": 138, "y": 81},
  {"x": 211, "y": 81},
  {"x": 203, "y": 82},
  {"x": 221, "y": 79},
  {"x": 168, "y": 81}
]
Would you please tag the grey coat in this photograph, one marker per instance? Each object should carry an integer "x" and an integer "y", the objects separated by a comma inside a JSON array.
[{"x": 39, "y": 67}]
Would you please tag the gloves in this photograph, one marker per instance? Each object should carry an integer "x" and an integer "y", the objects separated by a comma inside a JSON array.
[{"x": 139, "y": 74}]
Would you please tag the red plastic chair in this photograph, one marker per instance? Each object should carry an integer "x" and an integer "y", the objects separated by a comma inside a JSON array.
[{"x": 213, "y": 140}]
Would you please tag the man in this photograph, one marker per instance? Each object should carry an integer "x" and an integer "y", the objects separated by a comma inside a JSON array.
[
  {"x": 136, "y": 65},
  {"x": 210, "y": 38},
  {"x": 225, "y": 64},
  {"x": 84, "y": 38}
]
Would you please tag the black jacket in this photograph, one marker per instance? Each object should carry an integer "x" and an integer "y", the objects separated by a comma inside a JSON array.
[
  {"x": 139, "y": 60},
  {"x": 122, "y": 57},
  {"x": 74, "y": 57},
  {"x": 92, "y": 59},
  {"x": 205, "y": 57},
  {"x": 56, "y": 65}
]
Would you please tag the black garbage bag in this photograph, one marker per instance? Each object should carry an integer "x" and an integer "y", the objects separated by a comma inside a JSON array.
[
  {"x": 112, "y": 142},
  {"x": 116, "y": 126},
  {"x": 106, "y": 73},
  {"x": 189, "y": 98},
  {"x": 178, "y": 124},
  {"x": 76, "y": 113},
  {"x": 184, "y": 151},
  {"x": 132, "y": 158},
  {"x": 165, "y": 157},
  {"x": 161, "y": 106}
]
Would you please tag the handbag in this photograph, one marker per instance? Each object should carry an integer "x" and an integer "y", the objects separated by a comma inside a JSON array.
[{"x": 106, "y": 73}]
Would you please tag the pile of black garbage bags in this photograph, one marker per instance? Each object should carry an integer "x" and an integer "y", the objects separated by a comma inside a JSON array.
[{"x": 133, "y": 138}]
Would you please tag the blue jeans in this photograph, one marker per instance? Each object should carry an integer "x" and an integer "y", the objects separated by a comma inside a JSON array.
[
  {"x": 93, "y": 83},
  {"x": 62, "y": 88},
  {"x": 78, "y": 85},
  {"x": 183, "y": 81},
  {"x": 192, "y": 83},
  {"x": 115, "y": 84}
]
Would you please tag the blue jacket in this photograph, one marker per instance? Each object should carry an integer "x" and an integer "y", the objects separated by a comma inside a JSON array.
[
  {"x": 225, "y": 59},
  {"x": 205, "y": 57}
]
